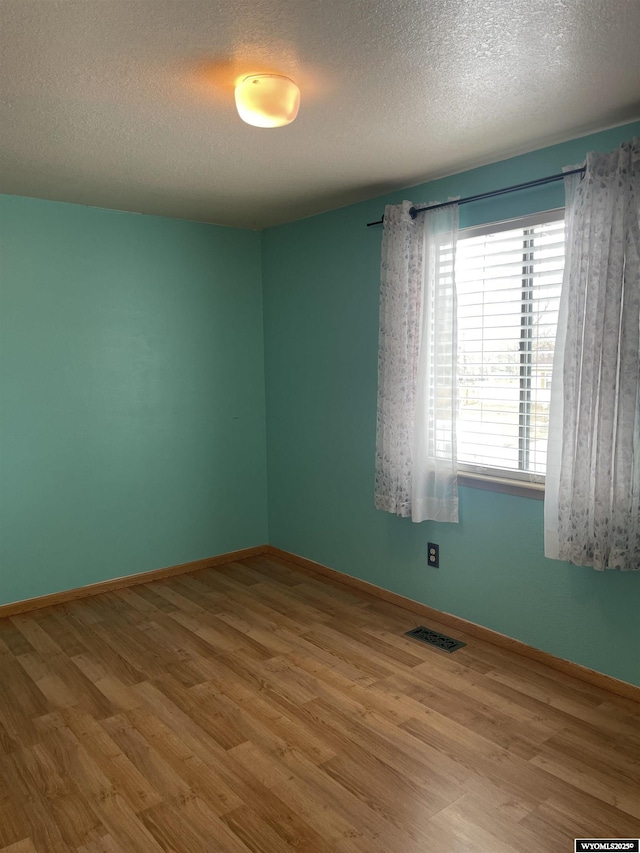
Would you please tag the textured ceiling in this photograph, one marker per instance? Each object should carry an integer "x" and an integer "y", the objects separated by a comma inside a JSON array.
[{"x": 128, "y": 104}]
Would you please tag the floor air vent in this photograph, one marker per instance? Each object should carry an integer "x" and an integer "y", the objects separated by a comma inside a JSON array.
[{"x": 435, "y": 638}]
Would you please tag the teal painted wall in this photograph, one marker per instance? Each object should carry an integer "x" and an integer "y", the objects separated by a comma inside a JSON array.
[
  {"x": 320, "y": 280},
  {"x": 131, "y": 394}
]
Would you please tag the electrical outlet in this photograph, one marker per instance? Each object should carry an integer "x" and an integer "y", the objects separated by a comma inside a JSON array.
[{"x": 433, "y": 554}]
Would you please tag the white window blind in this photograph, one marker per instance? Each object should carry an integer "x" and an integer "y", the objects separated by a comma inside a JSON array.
[{"x": 508, "y": 280}]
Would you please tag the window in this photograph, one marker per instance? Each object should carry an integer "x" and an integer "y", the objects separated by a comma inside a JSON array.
[{"x": 508, "y": 278}]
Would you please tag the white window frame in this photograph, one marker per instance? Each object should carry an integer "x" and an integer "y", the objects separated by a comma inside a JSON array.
[{"x": 518, "y": 482}]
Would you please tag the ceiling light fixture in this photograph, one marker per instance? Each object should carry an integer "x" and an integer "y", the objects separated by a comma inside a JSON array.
[{"x": 267, "y": 100}]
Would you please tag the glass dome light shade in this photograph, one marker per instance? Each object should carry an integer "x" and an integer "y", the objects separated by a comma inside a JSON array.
[{"x": 267, "y": 100}]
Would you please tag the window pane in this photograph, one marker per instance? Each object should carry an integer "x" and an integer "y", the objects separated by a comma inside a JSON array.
[{"x": 508, "y": 286}]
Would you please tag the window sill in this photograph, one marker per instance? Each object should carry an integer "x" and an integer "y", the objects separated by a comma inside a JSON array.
[{"x": 518, "y": 488}]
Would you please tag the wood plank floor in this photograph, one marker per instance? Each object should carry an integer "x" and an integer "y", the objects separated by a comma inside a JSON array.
[{"x": 256, "y": 708}]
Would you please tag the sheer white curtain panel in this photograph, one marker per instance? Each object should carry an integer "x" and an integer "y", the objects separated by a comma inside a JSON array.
[
  {"x": 592, "y": 500},
  {"x": 416, "y": 465}
]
